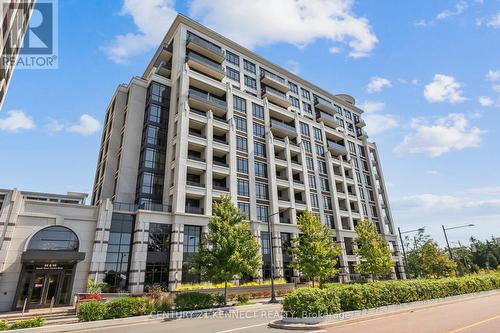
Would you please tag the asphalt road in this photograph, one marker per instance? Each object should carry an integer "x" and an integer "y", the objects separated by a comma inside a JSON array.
[{"x": 473, "y": 315}]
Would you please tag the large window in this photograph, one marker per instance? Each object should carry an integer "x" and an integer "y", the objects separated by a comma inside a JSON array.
[
  {"x": 118, "y": 254},
  {"x": 259, "y": 149},
  {"x": 260, "y": 169},
  {"x": 250, "y": 82},
  {"x": 158, "y": 257},
  {"x": 307, "y": 146},
  {"x": 242, "y": 165},
  {"x": 309, "y": 164},
  {"x": 244, "y": 208},
  {"x": 304, "y": 129},
  {"x": 327, "y": 202},
  {"x": 320, "y": 150},
  {"x": 325, "y": 186},
  {"x": 318, "y": 135},
  {"x": 232, "y": 58},
  {"x": 258, "y": 111},
  {"x": 293, "y": 87},
  {"x": 259, "y": 130},
  {"x": 262, "y": 213},
  {"x": 314, "y": 200},
  {"x": 312, "y": 181},
  {"x": 305, "y": 93},
  {"x": 239, "y": 104},
  {"x": 54, "y": 238},
  {"x": 261, "y": 190},
  {"x": 192, "y": 236},
  {"x": 241, "y": 144},
  {"x": 241, "y": 123},
  {"x": 295, "y": 102},
  {"x": 243, "y": 188},
  {"x": 249, "y": 66},
  {"x": 233, "y": 74},
  {"x": 307, "y": 107}
]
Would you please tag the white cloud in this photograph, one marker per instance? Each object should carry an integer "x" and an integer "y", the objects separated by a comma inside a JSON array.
[
  {"x": 485, "y": 101},
  {"x": 377, "y": 123},
  {"x": 434, "y": 202},
  {"x": 460, "y": 7},
  {"x": 88, "y": 125},
  {"x": 298, "y": 22},
  {"x": 377, "y": 84},
  {"x": 446, "y": 134},
  {"x": 493, "y": 75},
  {"x": 494, "y": 21},
  {"x": 152, "y": 19},
  {"x": 432, "y": 172},
  {"x": 335, "y": 50},
  {"x": 15, "y": 121},
  {"x": 444, "y": 88}
]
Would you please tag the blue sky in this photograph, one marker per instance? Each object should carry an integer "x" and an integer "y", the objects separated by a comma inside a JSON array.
[{"x": 427, "y": 72}]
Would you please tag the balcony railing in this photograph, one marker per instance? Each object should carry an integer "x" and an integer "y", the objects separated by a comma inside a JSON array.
[
  {"x": 273, "y": 76},
  {"x": 298, "y": 181},
  {"x": 223, "y": 141},
  {"x": 194, "y": 210},
  {"x": 206, "y": 45},
  {"x": 196, "y": 158},
  {"x": 327, "y": 118},
  {"x": 323, "y": 104},
  {"x": 337, "y": 148},
  {"x": 210, "y": 63},
  {"x": 195, "y": 184},
  {"x": 129, "y": 207},
  {"x": 283, "y": 125},
  {"x": 207, "y": 98},
  {"x": 274, "y": 92},
  {"x": 221, "y": 188},
  {"x": 360, "y": 123},
  {"x": 223, "y": 164}
]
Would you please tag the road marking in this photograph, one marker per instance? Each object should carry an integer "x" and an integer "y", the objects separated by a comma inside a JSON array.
[
  {"x": 241, "y": 328},
  {"x": 475, "y": 324}
]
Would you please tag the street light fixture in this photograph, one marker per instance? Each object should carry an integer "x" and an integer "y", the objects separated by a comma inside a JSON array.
[
  {"x": 403, "y": 244},
  {"x": 269, "y": 230},
  {"x": 446, "y": 236}
]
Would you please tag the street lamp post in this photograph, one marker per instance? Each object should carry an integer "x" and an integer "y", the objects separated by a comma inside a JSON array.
[
  {"x": 403, "y": 244},
  {"x": 446, "y": 236},
  {"x": 273, "y": 292}
]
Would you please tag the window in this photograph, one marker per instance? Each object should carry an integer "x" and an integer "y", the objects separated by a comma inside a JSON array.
[
  {"x": 260, "y": 170},
  {"x": 259, "y": 130},
  {"x": 242, "y": 165},
  {"x": 155, "y": 114},
  {"x": 352, "y": 147},
  {"x": 361, "y": 150},
  {"x": 361, "y": 192},
  {"x": 330, "y": 221},
  {"x": 157, "y": 266},
  {"x": 374, "y": 211},
  {"x": 233, "y": 74},
  {"x": 327, "y": 202},
  {"x": 232, "y": 58},
  {"x": 241, "y": 144},
  {"x": 258, "y": 111},
  {"x": 295, "y": 102},
  {"x": 307, "y": 146},
  {"x": 325, "y": 186},
  {"x": 244, "y": 208},
  {"x": 250, "y": 82},
  {"x": 152, "y": 158},
  {"x": 314, "y": 200},
  {"x": 293, "y": 87},
  {"x": 239, "y": 104},
  {"x": 318, "y": 135},
  {"x": 151, "y": 183},
  {"x": 158, "y": 92},
  {"x": 371, "y": 196},
  {"x": 261, "y": 191},
  {"x": 309, "y": 164},
  {"x": 307, "y": 107},
  {"x": 259, "y": 149},
  {"x": 312, "y": 181},
  {"x": 304, "y": 129},
  {"x": 322, "y": 167},
  {"x": 305, "y": 93},
  {"x": 365, "y": 165},
  {"x": 262, "y": 213},
  {"x": 192, "y": 236},
  {"x": 320, "y": 150},
  {"x": 265, "y": 242},
  {"x": 350, "y": 127},
  {"x": 249, "y": 66},
  {"x": 348, "y": 115},
  {"x": 241, "y": 123},
  {"x": 368, "y": 180},
  {"x": 54, "y": 238},
  {"x": 243, "y": 188}
]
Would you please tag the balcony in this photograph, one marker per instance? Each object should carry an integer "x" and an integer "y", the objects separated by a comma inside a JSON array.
[
  {"x": 205, "y": 66},
  {"x": 281, "y": 128},
  {"x": 274, "y": 81},
  {"x": 327, "y": 118},
  {"x": 336, "y": 148},
  {"x": 204, "y": 101},
  {"x": 361, "y": 134},
  {"x": 222, "y": 188},
  {"x": 360, "y": 123},
  {"x": 204, "y": 47},
  {"x": 194, "y": 210},
  {"x": 164, "y": 69},
  {"x": 275, "y": 96},
  {"x": 324, "y": 105}
]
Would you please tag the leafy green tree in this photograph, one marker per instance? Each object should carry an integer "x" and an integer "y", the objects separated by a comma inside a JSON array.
[
  {"x": 314, "y": 252},
  {"x": 434, "y": 262},
  {"x": 374, "y": 251},
  {"x": 464, "y": 259},
  {"x": 485, "y": 253},
  {"x": 413, "y": 257},
  {"x": 229, "y": 249}
]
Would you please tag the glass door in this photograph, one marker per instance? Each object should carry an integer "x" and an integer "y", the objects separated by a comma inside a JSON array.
[
  {"x": 37, "y": 289},
  {"x": 51, "y": 286}
]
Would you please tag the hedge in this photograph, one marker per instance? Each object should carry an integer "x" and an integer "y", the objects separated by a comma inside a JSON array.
[
  {"x": 116, "y": 308},
  {"x": 197, "y": 301},
  {"x": 307, "y": 302},
  {"x": 25, "y": 323}
]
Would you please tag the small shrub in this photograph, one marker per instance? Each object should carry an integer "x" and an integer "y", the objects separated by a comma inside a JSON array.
[
  {"x": 193, "y": 301},
  {"x": 243, "y": 298},
  {"x": 311, "y": 302},
  {"x": 27, "y": 323},
  {"x": 219, "y": 300},
  {"x": 127, "y": 307},
  {"x": 3, "y": 325},
  {"x": 92, "y": 311}
]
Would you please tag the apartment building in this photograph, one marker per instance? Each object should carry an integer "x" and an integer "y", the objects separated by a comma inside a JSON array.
[
  {"x": 209, "y": 118},
  {"x": 15, "y": 16}
]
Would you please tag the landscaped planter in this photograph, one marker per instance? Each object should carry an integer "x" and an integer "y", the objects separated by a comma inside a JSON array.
[{"x": 264, "y": 290}]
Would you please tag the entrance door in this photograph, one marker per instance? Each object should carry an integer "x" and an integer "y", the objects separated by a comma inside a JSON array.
[{"x": 44, "y": 289}]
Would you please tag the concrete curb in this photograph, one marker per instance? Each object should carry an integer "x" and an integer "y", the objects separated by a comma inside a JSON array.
[
  {"x": 359, "y": 316},
  {"x": 155, "y": 317}
]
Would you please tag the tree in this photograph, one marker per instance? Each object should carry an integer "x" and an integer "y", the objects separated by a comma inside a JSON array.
[
  {"x": 434, "y": 262},
  {"x": 373, "y": 249},
  {"x": 314, "y": 252},
  {"x": 229, "y": 249},
  {"x": 464, "y": 259}
]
